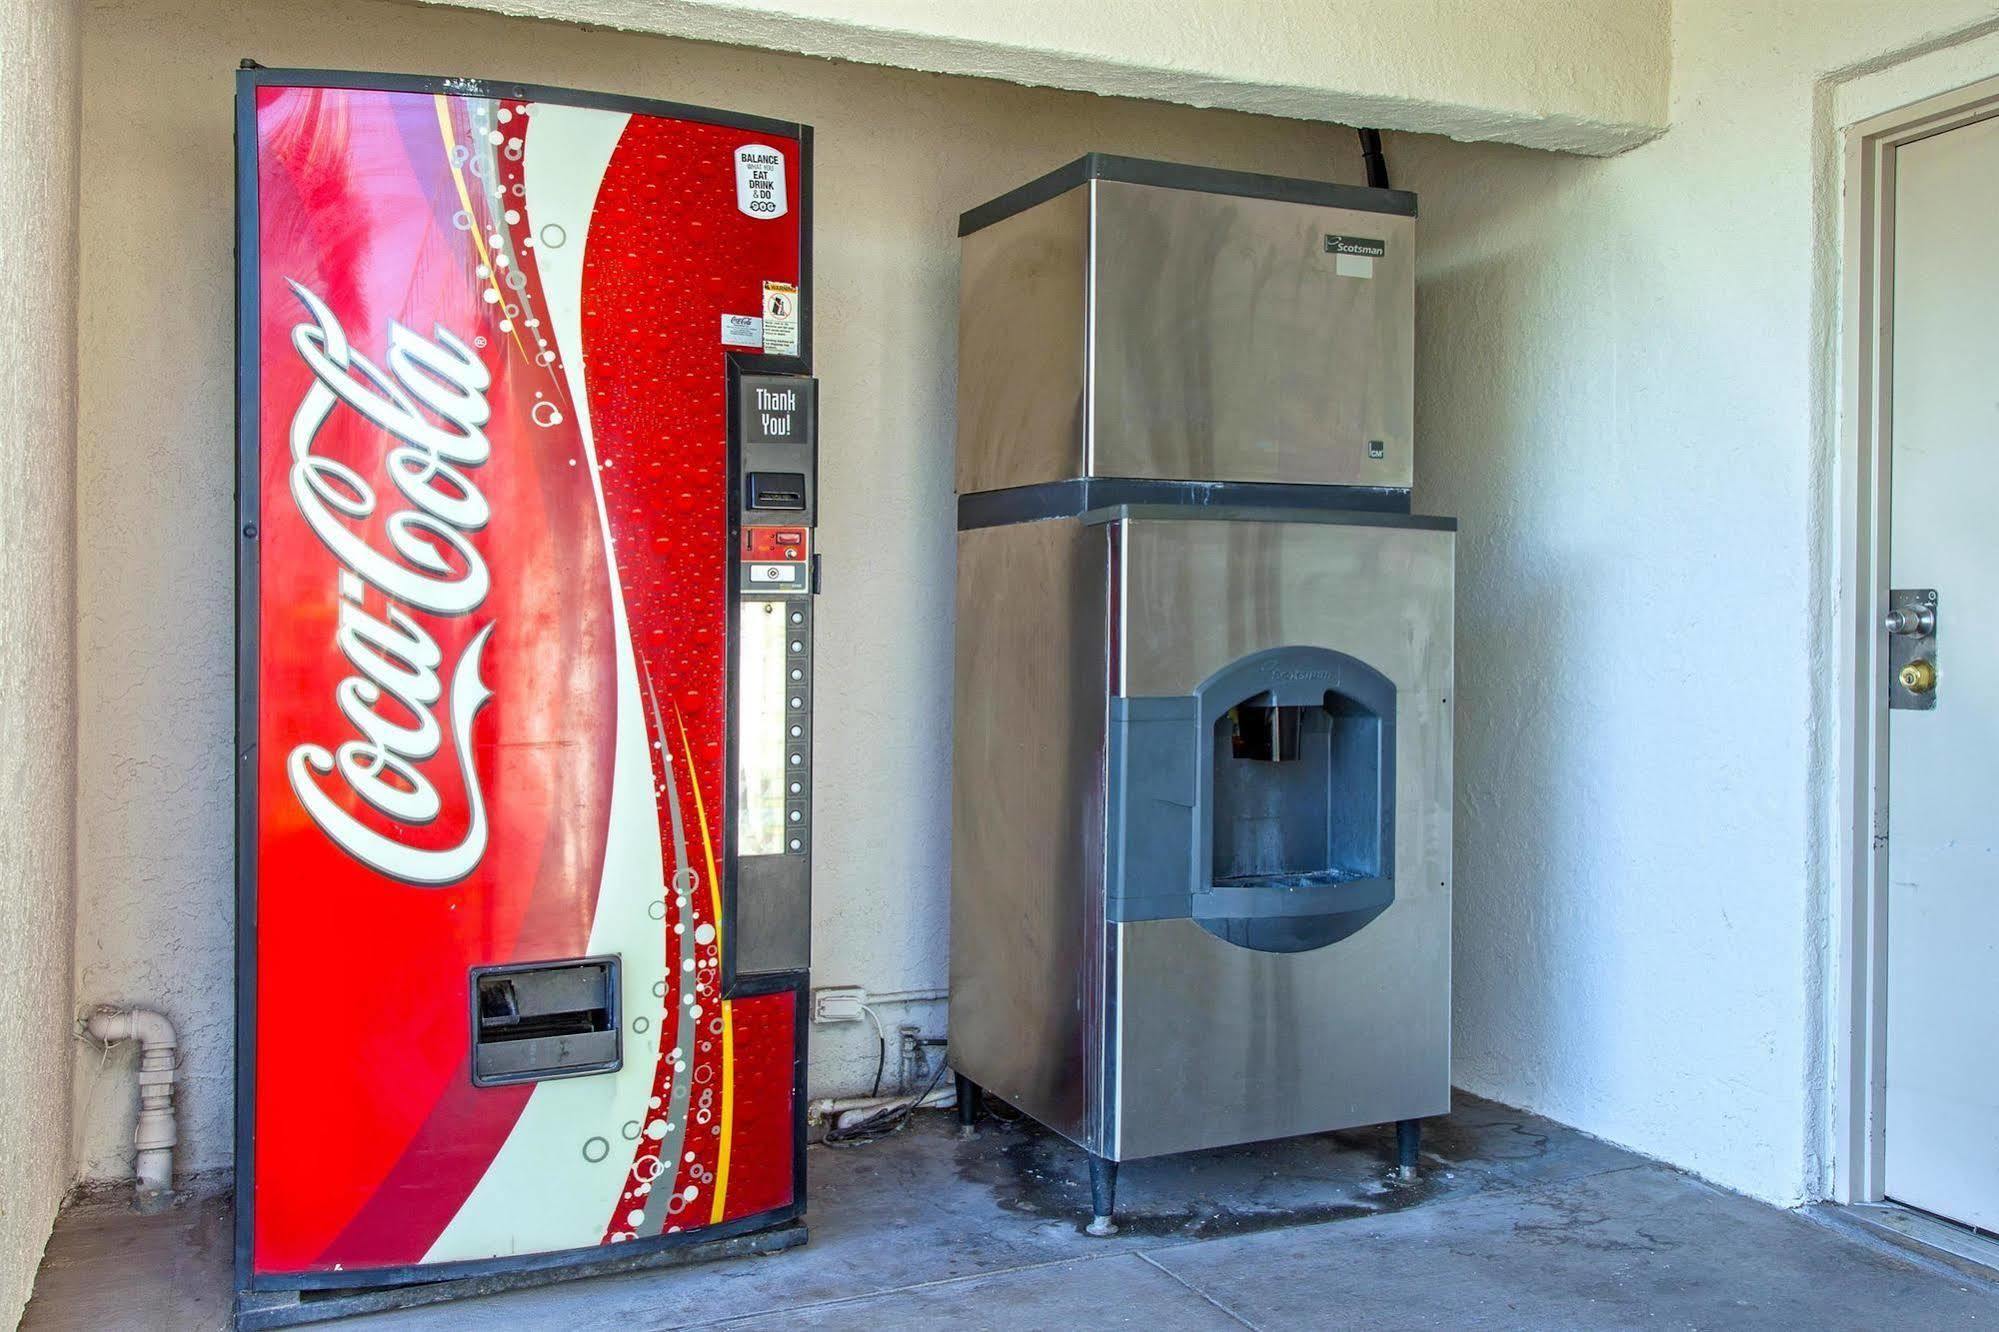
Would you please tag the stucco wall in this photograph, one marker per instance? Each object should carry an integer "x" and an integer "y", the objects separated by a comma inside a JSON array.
[
  {"x": 899, "y": 155},
  {"x": 1585, "y": 77},
  {"x": 38, "y": 162},
  {"x": 1623, "y": 388}
]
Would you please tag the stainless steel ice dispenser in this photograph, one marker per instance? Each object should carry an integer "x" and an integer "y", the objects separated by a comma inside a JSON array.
[{"x": 1202, "y": 795}]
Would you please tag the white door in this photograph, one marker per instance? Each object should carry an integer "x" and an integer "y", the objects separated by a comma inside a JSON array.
[{"x": 1942, "y": 1109}]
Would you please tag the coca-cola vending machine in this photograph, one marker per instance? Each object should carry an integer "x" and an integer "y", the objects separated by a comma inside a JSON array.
[{"x": 526, "y": 450}]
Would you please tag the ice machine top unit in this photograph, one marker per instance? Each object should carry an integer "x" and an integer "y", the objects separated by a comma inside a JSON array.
[
  {"x": 1202, "y": 744},
  {"x": 1142, "y": 320},
  {"x": 526, "y": 495}
]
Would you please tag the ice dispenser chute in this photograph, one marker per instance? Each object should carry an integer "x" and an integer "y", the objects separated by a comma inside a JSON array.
[{"x": 1262, "y": 806}]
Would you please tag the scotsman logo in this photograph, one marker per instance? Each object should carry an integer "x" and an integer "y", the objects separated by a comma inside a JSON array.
[{"x": 434, "y": 402}]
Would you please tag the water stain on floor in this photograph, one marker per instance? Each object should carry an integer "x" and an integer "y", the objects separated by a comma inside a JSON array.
[{"x": 1030, "y": 1171}]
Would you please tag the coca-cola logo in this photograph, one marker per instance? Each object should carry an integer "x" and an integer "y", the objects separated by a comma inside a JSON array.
[{"x": 432, "y": 401}]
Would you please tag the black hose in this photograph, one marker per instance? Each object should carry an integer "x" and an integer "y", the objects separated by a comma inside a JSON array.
[
  {"x": 882, "y": 1122},
  {"x": 1372, "y": 160}
]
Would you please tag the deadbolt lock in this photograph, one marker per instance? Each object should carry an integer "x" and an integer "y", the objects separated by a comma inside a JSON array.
[
  {"x": 1919, "y": 676},
  {"x": 1911, "y": 621}
]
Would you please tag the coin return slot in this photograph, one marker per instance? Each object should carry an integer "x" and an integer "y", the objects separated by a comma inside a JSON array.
[{"x": 545, "y": 1020}]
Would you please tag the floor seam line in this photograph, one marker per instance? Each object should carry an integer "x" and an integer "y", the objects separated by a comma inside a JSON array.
[{"x": 1146, "y": 1258}]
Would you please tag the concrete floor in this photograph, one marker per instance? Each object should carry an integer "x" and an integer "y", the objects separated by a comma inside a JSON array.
[{"x": 1517, "y": 1222}]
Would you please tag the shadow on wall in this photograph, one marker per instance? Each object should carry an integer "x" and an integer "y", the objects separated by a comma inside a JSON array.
[{"x": 1499, "y": 425}]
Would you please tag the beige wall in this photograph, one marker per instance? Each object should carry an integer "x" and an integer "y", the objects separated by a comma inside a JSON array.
[
  {"x": 38, "y": 163},
  {"x": 899, "y": 155},
  {"x": 1585, "y": 77}
]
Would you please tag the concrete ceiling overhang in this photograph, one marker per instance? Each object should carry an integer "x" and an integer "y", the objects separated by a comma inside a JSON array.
[{"x": 1583, "y": 76}]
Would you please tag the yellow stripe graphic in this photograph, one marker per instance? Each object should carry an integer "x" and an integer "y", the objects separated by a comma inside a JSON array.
[{"x": 721, "y": 1190}]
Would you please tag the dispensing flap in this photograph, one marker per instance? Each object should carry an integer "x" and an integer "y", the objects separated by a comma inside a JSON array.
[{"x": 544, "y": 1020}]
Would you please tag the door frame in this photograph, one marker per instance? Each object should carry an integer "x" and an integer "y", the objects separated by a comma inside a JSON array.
[{"x": 1858, "y": 1026}]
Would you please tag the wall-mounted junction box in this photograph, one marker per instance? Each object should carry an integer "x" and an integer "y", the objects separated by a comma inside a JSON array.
[{"x": 839, "y": 1003}]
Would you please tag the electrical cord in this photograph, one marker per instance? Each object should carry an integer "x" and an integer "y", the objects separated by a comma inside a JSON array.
[
  {"x": 889, "y": 1119},
  {"x": 881, "y": 1048}
]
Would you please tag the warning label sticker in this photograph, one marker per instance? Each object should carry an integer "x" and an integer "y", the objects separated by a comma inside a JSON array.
[
  {"x": 780, "y": 322},
  {"x": 742, "y": 331},
  {"x": 760, "y": 181}
]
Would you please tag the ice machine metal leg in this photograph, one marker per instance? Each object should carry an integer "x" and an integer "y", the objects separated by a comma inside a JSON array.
[
  {"x": 1408, "y": 1146},
  {"x": 1103, "y": 1194},
  {"x": 969, "y": 1105}
]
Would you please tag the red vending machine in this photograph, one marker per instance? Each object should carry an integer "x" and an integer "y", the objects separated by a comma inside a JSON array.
[{"x": 526, "y": 452}]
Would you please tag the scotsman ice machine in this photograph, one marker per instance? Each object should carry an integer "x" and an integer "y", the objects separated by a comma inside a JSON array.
[
  {"x": 525, "y": 506},
  {"x": 1202, "y": 801}
]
